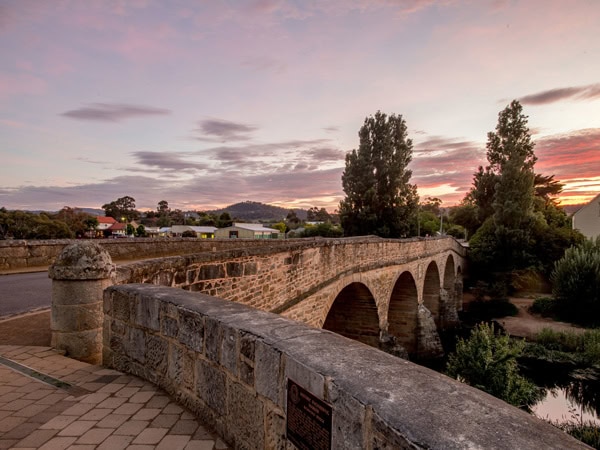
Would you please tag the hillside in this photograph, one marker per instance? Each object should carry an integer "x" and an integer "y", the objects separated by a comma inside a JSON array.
[{"x": 255, "y": 211}]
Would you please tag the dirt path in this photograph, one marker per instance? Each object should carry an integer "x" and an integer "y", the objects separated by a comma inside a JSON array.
[{"x": 527, "y": 325}]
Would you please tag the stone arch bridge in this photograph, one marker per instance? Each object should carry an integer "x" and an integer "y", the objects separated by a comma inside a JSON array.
[{"x": 381, "y": 292}]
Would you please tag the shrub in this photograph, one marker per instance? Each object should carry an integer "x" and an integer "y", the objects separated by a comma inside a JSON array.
[
  {"x": 576, "y": 283},
  {"x": 587, "y": 432},
  {"x": 489, "y": 362},
  {"x": 485, "y": 310},
  {"x": 544, "y": 306},
  {"x": 586, "y": 345}
]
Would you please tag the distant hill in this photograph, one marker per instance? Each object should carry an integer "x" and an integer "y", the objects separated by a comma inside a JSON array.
[{"x": 255, "y": 211}]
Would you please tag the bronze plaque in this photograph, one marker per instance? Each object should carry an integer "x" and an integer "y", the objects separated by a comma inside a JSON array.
[{"x": 308, "y": 421}]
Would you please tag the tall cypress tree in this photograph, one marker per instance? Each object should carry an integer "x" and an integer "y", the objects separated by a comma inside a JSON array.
[{"x": 379, "y": 198}]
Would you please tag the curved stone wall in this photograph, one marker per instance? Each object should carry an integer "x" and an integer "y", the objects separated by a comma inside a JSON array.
[{"x": 230, "y": 364}]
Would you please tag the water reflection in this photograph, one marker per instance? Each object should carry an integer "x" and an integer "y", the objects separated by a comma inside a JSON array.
[{"x": 571, "y": 394}]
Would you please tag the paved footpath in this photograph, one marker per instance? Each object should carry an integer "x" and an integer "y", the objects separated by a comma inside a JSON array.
[{"x": 51, "y": 402}]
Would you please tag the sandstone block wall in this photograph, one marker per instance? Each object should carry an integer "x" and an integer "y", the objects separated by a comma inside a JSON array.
[
  {"x": 26, "y": 254},
  {"x": 276, "y": 277},
  {"x": 230, "y": 363}
]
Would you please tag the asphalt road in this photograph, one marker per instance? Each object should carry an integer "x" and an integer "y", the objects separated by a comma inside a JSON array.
[{"x": 24, "y": 292}]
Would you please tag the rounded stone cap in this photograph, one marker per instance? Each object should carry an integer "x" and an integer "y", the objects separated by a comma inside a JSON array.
[{"x": 84, "y": 260}]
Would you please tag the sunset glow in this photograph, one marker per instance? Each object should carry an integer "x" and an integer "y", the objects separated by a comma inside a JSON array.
[{"x": 205, "y": 104}]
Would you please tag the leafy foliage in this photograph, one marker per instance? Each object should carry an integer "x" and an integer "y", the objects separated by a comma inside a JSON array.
[
  {"x": 544, "y": 306},
  {"x": 586, "y": 344},
  {"x": 587, "y": 432},
  {"x": 576, "y": 283},
  {"x": 323, "y": 229},
  {"x": 123, "y": 207},
  {"x": 488, "y": 362},
  {"x": 26, "y": 225},
  {"x": 379, "y": 198}
]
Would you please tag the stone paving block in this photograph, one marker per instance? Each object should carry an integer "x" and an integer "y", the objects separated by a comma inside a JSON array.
[
  {"x": 142, "y": 397},
  {"x": 171, "y": 442},
  {"x": 37, "y": 438},
  {"x": 7, "y": 443},
  {"x": 112, "y": 402},
  {"x": 58, "y": 443},
  {"x": 31, "y": 410},
  {"x": 59, "y": 423},
  {"x": 115, "y": 443},
  {"x": 146, "y": 414},
  {"x": 158, "y": 401},
  {"x": 174, "y": 408},
  {"x": 113, "y": 421},
  {"x": 127, "y": 392},
  {"x": 95, "y": 436},
  {"x": 184, "y": 427},
  {"x": 96, "y": 414},
  {"x": 164, "y": 420},
  {"x": 200, "y": 445},
  {"x": 132, "y": 427},
  {"x": 129, "y": 408},
  {"x": 8, "y": 423},
  {"x": 150, "y": 436},
  {"x": 110, "y": 388},
  {"x": 78, "y": 410},
  {"x": 52, "y": 398},
  {"x": 16, "y": 405},
  {"x": 38, "y": 393},
  {"x": 77, "y": 428},
  {"x": 95, "y": 398},
  {"x": 21, "y": 431}
]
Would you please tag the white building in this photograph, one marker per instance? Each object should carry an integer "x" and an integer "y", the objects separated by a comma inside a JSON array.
[
  {"x": 248, "y": 231},
  {"x": 587, "y": 219}
]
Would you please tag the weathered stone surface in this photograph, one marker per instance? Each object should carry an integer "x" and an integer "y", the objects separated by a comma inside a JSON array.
[
  {"x": 191, "y": 331},
  {"x": 428, "y": 339},
  {"x": 349, "y": 427},
  {"x": 245, "y": 413},
  {"x": 136, "y": 345},
  {"x": 84, "y": 260},
  {"x": 212, "y": 335},
  {"x": 229, "y": 348},
  {"x": 157, "y": 354},
  {"x": 378, "y": 400},
  {"x": 210, "y": 386},
  {"x": 267, "y": 370},
  {"x": 147, "y": 313},
  {"x": 85, "y": 346}
]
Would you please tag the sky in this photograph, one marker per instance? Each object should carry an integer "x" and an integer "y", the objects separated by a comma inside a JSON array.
[{"x": 209, "y": 103}]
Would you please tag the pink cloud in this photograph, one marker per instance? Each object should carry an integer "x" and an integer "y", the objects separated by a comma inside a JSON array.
[{"x": 11, "y": 85}]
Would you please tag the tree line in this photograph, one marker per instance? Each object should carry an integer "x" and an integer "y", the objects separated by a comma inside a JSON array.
[{"x": 515, "y": 227}]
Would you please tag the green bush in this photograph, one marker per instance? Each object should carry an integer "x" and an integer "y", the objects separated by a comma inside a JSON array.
[
  {"x": 576, "y": 283},
  {"x": 587, "y": 432},
  {"x": 489, "y": 362},
  {"x": 585, "y": 345},
  {"x": 544, "y": 306},
  {"x": 485, "y": 310}
]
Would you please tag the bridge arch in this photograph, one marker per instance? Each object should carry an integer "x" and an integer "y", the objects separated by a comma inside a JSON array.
[
  {"x": 431, "y": 291},
  {"x": 449, "y": 274},
  {"x": 354, "y": 315},
  {"x": 402, "y": 312}
]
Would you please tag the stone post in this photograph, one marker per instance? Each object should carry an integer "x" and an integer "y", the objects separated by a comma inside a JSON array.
[{"x": 80, "y": 275}]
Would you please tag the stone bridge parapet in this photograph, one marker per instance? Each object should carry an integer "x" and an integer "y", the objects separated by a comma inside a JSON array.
[
  {"x": 230, "y": 363},
  {"x": 367, "y": 288}
]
